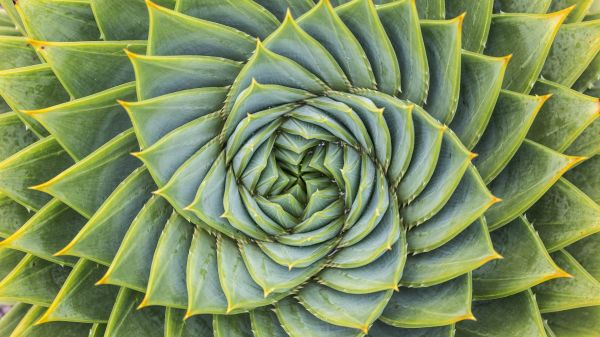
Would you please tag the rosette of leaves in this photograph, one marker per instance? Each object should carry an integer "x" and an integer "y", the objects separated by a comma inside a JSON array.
[{"x": 297, "y": 168}]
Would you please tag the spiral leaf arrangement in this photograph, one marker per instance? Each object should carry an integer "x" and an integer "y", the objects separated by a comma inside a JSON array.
[{"x": 297, "y": 168}]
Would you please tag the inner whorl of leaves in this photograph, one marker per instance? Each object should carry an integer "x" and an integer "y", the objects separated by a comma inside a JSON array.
[{"x": 339, "y": 168}]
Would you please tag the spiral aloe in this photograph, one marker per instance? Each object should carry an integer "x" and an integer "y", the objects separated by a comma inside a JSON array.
[{"x": 298, "y": 168}]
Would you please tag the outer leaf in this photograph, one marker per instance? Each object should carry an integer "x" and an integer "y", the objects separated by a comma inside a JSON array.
[
  {"x": 532, "y": 171},
  {"x": 468, "y": 251},
  {"x": 126, "y": 321},
  {"x": 299, "y": 322},
  {"x": 438, "y": 305},
  {"x": 33, "y": 281},
  {"x": 536, "y": 32},
  {"x": 564, "y": 215},
  {"x": 526, "y": 263},
  {"x": 166, "y": 284},
  {"x": 79, "y": 300},
  {"x": 516, "y": 315}
]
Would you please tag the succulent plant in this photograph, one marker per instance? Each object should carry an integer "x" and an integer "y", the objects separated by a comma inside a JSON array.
[{"x": 263, "y": 168}]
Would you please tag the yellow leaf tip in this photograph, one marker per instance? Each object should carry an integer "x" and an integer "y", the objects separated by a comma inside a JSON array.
[
  {"x": 143, "y": 304},
  {"x": 41, "y": 187},
  {"x": 103, "y": 280}
]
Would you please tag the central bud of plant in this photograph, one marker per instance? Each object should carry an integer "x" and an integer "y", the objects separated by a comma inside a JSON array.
[{"x": 296, "y": 182}]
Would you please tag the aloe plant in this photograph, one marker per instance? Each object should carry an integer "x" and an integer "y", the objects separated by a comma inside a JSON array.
[{"x": 299, "y": 168}]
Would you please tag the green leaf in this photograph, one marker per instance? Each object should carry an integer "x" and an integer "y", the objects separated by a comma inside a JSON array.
[
  {"x": 165, "y": 156},
  {"x": 374, "y": 122},
  {"x": 297, "y": 256},
  {"x": 232, "y": 325},
  {"x": 371, "y": 217},
  {"x": 468, "y": 202},
  {"x": 291, "y": 41},
  {"x": 205, "y": 295},
  {"x": 442, "y": 43},
  {"x": 323, "y": 234},
  {"x": 271, "y": 276},
  {"x": 280, "y": 7},
  {"x": 10, "y": 259},
  {"x": 177, "y": 326},
  {"x": 11, "y": 319},
  {"x": 380, "y": 329},
  {"x": 131, "y": 265},
  {"x": 476, "y": 25},
  {"x": 126, "y": 321},
  {"x": 563, "y": 117},
  {"x": 208, "y": 203},
  {"x": 79, "y": 300},
  {"x": 453, "y": 161},
  {"x": 123, "y": 20},
  {"x": 30, "y": 166},
  {"x": 167, "y": 281},
  {"x": 536, "y": 33},
  {"x": 356, "y": 311},
  {"x": 34, "y": 281},
  {"x": 401, "y": 22},
  {"x": 428, "y": 142},
  {"x": 382, "y": 274},
  {"x": 582, "y": 290},
  {"x": 50, "y": 20},
  {"x": 469, "y": 250},
  {"x": 11, "y": 12},
  {"x": 86, "y": 68},
  {"x": 589, "y": 76},
  {"x": 154, "y": 118},
  {"x": 30, "y": 88},
  {"x": 564, "y": 215},
  {"x": 573, "y": 49},
  {"x": 582, "y": 7},
  {"x": 172, "y": 33},
  {"x": 184, "y": 183},
  {"x": 160, "y": 75},
  {"x": 522, "y": 6},
  {"x": 584, "y": 251},
  {"x": 481, "y": 79},
  {"x": 399, "y": 121},
  {"x": 13, "y": 215},
  {"x": 513, "y": 115},
  {"x": 265, "y": 323},
  {"x": 17, "y": 52},
  {"x": 86, "y": 185},
  {"x": 299, "y": 322},
  {"x": 267, "y": 67},
  {"x": 241, "y": 291},
  {"x": 14, "y": 135},
  {"x": 438, "y": 305},
  {"x": 526, "y": 178},
  {"x": 265, "y": 103},
  {"x": 583, "y": 322},
  {"x": 47, "y": 231},
  {"x": 81, "y": 126},
  {"x": 583, "y": 176},
  {"x": 431, "y": 9},
  {"x": 323, "y": 23},
  {"x": 375, "y": 244},
  {"x": 100, "y": 238},
  {"x": 244, "y": 15},
  {"x": 526, "y": 263},
  {"x": 588, "y": 142},
  {"x": 27, "y": 326},
  {"x": 516, "y": 315},
  {"x": 360, "y": 16}
]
